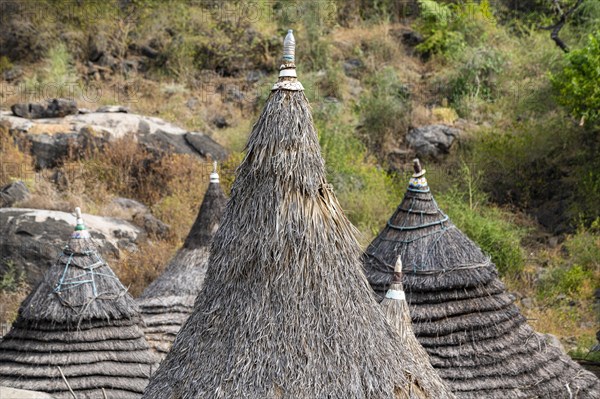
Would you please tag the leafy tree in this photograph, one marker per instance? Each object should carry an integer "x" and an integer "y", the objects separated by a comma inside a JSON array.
[{"x": 577, "y": 83}]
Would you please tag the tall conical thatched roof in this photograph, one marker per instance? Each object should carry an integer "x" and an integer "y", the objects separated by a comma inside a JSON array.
[
  {"x": 476, "y": 337},
  {"x": 79, "y": 318},
  {"x": 285, "y": 311},
  {"x": 168, "y": 301}
]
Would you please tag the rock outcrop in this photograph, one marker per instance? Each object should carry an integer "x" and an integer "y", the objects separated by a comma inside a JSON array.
[
  {"x": 31, "y": 239},
  {"x": 13, "y": 193},
  {"x": 433, "y": 140},
  {"x": 52, "y": 139}
]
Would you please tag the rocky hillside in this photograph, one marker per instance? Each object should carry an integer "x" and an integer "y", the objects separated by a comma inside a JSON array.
[{"x": 119, "y": 107}]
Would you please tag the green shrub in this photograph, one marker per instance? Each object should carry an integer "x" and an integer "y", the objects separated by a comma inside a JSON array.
[
  {"x": 313, "y": 47},
  {"x": 378, "y": 51},
  {"x": 365, "y": 191},
  {"x": 372, "y": 11},
  {"x": 577, "y": 83},
  {"x": 5, "y": 64},
  {"x": 384, "y": 111},
  {"x": 460, "y": 195},
  {"x": 208, "y": 36},
  {"x": 12, "y": 279},
  {"x": 577, "y": 271},
  {"x": 513, "y": 172},
  {"x": 450, "y": 28},
  {"x": 556, "y": 170},
  {"x": 585, "y": 19},
  {"x": 565, "y": 280},
  {"x": 436, "y": 25},
  {"x": 587, "y": 205},
  {"x": 584, "y": 248},
  {"x": 582, "y": 351},
  {"x": 58, "y": 74},
  {"x": 59, "y": 67},
  {"x": 331, "y": 84},
  {"x": 476, "y": 75},
  {"x": 13, "y": 290}
]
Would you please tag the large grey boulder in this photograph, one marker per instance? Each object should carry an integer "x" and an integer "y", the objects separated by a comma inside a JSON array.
[
  {"x": 49, "y": 149},
  {"x": 53, "y": 139},
  {"x": 140, "y": 215},
  {"x": 13, "y": 193},
  {"x": 205, "y": 146},
  {"x": 127, "y": 208},
  {"x": 31, "y": 239},
  {"x": 54, "y": 108},
  {"x": 433, "y": 140}
]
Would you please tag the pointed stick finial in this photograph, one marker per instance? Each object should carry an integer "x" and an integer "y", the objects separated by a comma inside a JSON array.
[
  {"x": 419, "y": 171},
  {"x": 396, "y": 290},
  {"x": 80, "y": 225},
  {"x": 398, "y": 271},
  {"x": 214, "y": 176},
  {"x": 80, "y": 230}
]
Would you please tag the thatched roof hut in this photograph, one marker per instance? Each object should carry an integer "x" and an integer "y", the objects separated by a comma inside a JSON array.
[
  {"x": 285, "y": 311},
  {"x": 81, "y": 322},
  {"x": 168, "y": 301},
  {"x": 398, "y": 314},
  {"x": 476, "y": 337}
]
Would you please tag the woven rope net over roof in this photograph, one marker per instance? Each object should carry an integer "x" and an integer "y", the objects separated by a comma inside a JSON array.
[
  {"x": 168, "y": 301},
  {"x": 79, "y": 318},
  {"x": 475, "y": 335},
  {"x": 285, "y": 311}
]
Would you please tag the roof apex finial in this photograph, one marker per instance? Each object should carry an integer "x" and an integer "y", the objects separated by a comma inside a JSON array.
[
  {"x": 419, "y": 171},
  {"x": 214, "y": 176},
  {"x": 289, "y": 47},
  {"x": 80, "y": 230},
  {"x": 288, "y": 67},
  {"x": 287, "y": 71},
  {"x": 397, "y": 271},
  {"x": 396, "y": 290},
  {"x": 80, "y": 224}
]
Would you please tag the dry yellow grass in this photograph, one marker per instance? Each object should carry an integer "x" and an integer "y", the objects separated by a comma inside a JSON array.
[
  {"x": 138, "y": 269},
  {"x": 10, "y": 302},
  {"x": 14, "y": 163},
  {"x": 444, "y": 115},
  {"x": 172, "y": 186},
  {"x": 49, "y": 128}
]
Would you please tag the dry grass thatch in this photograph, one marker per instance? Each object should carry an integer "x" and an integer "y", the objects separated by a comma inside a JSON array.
[
  {"x": 81, "y": 319},
  {"x": 285, "y": 311},
  {"x": 397, "y": 312},
  {"x": 476, "y": 337},
  {"x": 169, "y": 300}
]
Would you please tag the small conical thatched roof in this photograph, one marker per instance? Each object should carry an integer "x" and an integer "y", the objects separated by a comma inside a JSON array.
[
  {"x": 396, "y": 311},
  {"x": 79, "y": 318},
  {"x": 168, "y": 301},
  {"x": 285, "y": 311},
  {"x": 475, "y": 336}
]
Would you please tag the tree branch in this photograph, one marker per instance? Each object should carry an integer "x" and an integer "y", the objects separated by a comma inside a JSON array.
[{"x": 562, "y": 20}]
